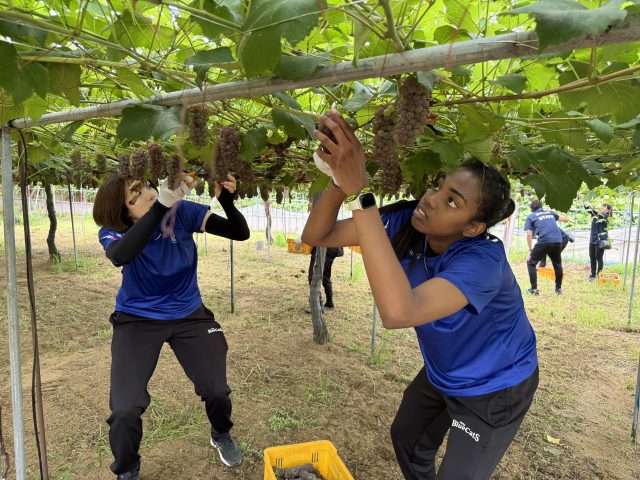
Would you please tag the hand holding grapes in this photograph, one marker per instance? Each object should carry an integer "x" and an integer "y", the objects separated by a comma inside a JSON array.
[
  {"x": 229, "y": 185},
  {"x": 344, "y": 155}
]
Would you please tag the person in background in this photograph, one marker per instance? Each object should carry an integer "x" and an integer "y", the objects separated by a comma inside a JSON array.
[
  {"x": 159, "y": 302},
  {"x": 543, "y": 225},
  {"x": 566, "y": 238},
  {"x": 433, "y": 266},
  {"x": 331, "y": 255},
  {"x": 599, "y": 236}
]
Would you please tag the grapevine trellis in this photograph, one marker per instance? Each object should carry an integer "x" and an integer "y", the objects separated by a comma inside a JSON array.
[{"x": 265, "y": 134}]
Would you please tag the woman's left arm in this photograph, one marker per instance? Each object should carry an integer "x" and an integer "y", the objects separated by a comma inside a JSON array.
[
  {"x": 400, "y": 306},
  {"x": 235, "y": 225}
]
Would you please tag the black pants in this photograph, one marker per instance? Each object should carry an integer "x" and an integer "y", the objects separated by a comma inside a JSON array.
[
  {"x": 543, "y": 263},
  {"x": 481, "y": 428},
  {"x": 596, "y": 255},
  {"x": 326, "y": 273},
  {"x": 199, "y": 344},
  {"x": 554, "y": 250}
]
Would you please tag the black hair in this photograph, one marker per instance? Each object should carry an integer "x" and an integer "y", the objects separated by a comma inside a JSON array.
[
  {"x": 535, "y": 205},
  {"x": 495, "y": 205},
  {"x": 610, "y": 208}
]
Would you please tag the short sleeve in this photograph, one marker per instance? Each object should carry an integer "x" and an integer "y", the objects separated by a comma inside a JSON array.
[
  {"x": 395, "y": 220},
  {"x": 477, "y": 273},
  {"x": 192, "y": 215},
  {"x": 528, "y": 224},
  {"x": 106, "y": 237}
]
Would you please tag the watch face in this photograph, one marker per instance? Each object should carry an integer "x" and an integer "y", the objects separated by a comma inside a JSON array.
[{"x": 367, "y": 200}]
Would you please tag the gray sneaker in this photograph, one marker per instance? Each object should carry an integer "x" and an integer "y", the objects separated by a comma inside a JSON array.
[
  {"x": 133, "y": 474},
  {"x": 228, "y": 451}
]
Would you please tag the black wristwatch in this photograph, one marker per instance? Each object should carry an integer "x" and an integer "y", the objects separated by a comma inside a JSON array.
[{"x": 362, "y": 200}]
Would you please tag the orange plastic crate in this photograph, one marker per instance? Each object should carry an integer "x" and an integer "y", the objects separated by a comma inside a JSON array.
[
  {"x": 295, "y": 247},
  {"x": 608, "y": 279},
  {"x": 547, "y": 272},
  {"x": 321, "y": 454}
]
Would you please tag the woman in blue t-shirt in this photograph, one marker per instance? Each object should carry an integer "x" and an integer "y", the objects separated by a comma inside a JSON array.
[
  {"x": 433, "y": 266},
  {"x": 149, "y": 233}
]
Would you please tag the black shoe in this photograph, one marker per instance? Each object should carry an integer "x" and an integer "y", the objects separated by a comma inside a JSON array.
[
  {"x": 558, "y": 291},
  {"x": 533, "y": 291},
  {"x": 228, "y": 450},
  {"x": 133, "y": 474},
  {"x": 329, "y": 305},
  {"x": 592, "y": 278}
]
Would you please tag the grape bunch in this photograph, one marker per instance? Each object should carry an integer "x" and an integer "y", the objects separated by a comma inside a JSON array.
[
  {"x": 76, "y": 161},
  {"x": 198, "y": 125},
  {"x": 199, "y": 188},
  {"x": 413, "y": 110},
  {"x": 229, "y": 144},
  {"x": 138, "y": 162},
  {"x": 390, "y": 178},
  {"x": 265, "y": 193},
  {"x": 279, "y": 195},
  {"x": 123, "y": 165},
  {"x": 173, "y": 164},
  {"x": 101, "y": 164},
  {"x": 155, "y": 162},
  {"x": 385, "y": 146},
  {"x": 302, "y": 472}
]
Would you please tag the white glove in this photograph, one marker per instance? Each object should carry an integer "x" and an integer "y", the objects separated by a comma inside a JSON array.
[
  {"x": 168, "y": 197},
  {"x": 324, "y": 167}
]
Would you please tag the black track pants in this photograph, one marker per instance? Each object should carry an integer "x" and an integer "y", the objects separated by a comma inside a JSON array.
[
  {"x": 538, "y": 252},
  {"x": 481, "y": 428},
  {"x": 199, "y": 344}
]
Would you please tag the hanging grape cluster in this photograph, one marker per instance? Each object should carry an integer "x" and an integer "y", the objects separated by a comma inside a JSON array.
[
  {"x": 198, "y": 125},
  {"x": 413, "y": 110},
  {"x": 123, "y": 165},
  {"x": 155, "y": 162},
  {"x": 101, "y": 164},
  {"x": 386, "y": 149},
  {"x": 303, "y": 472},
  {"x": 174, "y": 170},
  {"x": 265, "y": 193},
  {"x": 138, "y": 163},
  {"x": 279, "y": 195},
  {"x": 199, "y": 188}
]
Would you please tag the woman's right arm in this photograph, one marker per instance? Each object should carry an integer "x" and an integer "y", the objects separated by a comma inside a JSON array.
[
  {"x": 123, "y": 251},
  {"x": 322, "y": 229}
]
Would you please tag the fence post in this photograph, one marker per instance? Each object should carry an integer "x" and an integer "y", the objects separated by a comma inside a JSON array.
[{"x": 626, "y": 262}]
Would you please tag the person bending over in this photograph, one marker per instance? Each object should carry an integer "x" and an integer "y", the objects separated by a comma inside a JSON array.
[
  {"x": 433, "y": 266},
  {"x": 159, "y": 302}
]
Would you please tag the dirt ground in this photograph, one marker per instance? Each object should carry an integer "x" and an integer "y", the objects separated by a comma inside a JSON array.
[{"x": 286, "y": 389}]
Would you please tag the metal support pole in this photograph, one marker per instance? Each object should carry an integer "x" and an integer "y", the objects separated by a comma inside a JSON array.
[
  {"x": 12, "y": 305},
  {"x": 233, "y": 297},
  {"x": 351, "y": 250},
  {"x": 626, "y": 261},
  {"x": 636, "y": 409},
  {"x": 73, "y": 227},
  {"x": 633, "y": 275}
]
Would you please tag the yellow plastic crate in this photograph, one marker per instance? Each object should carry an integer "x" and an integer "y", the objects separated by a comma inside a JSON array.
[
  {"x": 321, "y": 454},
  {"x": 295, "y": 247},
  {"x": 608, "y": 279},
  {"x": 547, "y": 272}
]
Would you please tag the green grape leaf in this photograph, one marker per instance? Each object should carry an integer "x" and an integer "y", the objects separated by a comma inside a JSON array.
[
  {"x": 133, "y": 82},
  {"x": 287, "y": 100},
  {"x": 227, "y": 9},
  {"x": 513, "y": 82},
  {"x": 66, "y": 132},
  {"x": 360, "y": 98},
  {"x": 557, "y": 190},
  {"x": 558, "y": 21},
  {"x": 10, "y": 75},
  {"x": 319, "y": 184},
  {"x": 522, "y": 158},
  {"x": 449, "y": 34},
  {"x": 293, "y": 124},
  {"x": 142, "y": 122},
  {"x": 252, "y": 142},
  {"x": 296, "y": 68},
  {"x": 449, "y": 151},
  {"x": 64, "y": 79},
  {"x": 22, "y": 32},
  {"x": 204, "y": 60},
  {"x": 603, "y": 130}
]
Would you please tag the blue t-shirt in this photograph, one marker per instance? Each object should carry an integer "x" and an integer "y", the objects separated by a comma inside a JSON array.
[
  {"x": 161, "y": 281},
  {"x": 489, "y": 344},
  {"x": 544, "y": 226}
]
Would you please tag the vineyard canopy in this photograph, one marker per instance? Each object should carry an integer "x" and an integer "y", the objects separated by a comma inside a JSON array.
[{"x": 519, "y": 84}]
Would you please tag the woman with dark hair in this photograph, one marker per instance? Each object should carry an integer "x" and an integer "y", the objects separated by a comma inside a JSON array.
[
  {"x": 433, "y": 266},
  {"x": 599, "y": 238},
  {"x": 159, "y": 301}
]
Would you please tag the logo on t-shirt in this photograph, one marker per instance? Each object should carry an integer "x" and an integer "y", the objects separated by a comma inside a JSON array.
[{"x": 214, "y": 330}]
